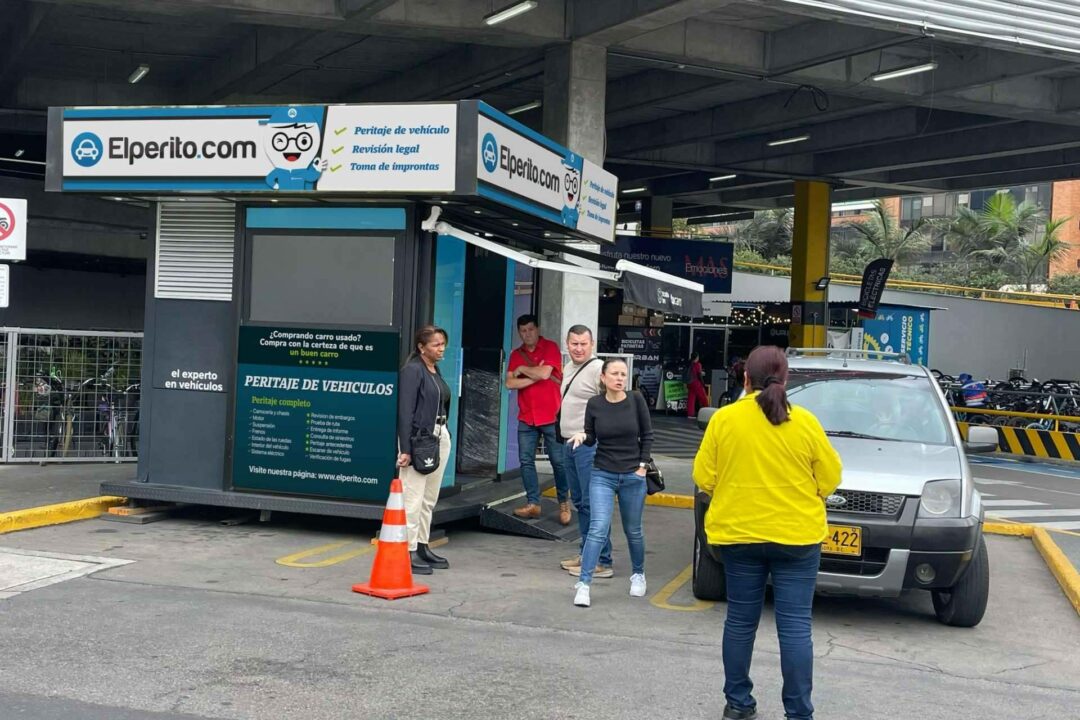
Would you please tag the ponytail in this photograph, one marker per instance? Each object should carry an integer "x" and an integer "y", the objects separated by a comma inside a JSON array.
[{"x": 768, "y": 371}]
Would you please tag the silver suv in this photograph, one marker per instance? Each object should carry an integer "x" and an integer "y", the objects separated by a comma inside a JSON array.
[{"x": 907, "y": 514}]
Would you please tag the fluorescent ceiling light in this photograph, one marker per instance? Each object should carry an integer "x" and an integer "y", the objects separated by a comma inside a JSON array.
[
  {"x": 522, "y": 108},
  {"x": 138, "y": 74},
  {"x": 510, "y": 11},
  {"x": 788, "y": 141},
  {"x": 718, "y": 178},
  {"x": 903, "y": 72},
  {"x": 19, "y": 152},
  {"x": 635, "y": 189}
]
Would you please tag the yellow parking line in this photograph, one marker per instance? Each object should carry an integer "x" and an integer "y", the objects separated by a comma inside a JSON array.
[
  {"x": 295, "y": 560},
  {"x": 661, "y": 598}
]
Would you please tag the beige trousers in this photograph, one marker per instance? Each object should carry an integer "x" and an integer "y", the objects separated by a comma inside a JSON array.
[{"x": 422, "y": 492}]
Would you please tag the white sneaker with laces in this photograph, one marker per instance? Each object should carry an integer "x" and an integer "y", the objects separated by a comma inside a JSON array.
[
  {"x": 581, "y": 598},
  {"x": 637, "y": 585}
]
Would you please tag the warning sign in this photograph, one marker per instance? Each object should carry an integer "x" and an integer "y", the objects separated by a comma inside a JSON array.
[{"x": 12, "y": 229}]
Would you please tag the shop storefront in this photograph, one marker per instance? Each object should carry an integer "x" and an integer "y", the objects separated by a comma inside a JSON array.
[{"x": 297, "y": 249}]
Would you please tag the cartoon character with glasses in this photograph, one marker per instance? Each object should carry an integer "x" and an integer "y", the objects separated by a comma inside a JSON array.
[{"x": 293, "y": 138}]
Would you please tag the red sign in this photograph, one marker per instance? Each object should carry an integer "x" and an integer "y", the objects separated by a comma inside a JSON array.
[{"x": 7, "y": 222}]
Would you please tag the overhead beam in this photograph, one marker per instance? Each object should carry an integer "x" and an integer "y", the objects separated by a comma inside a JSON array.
[
  {"x": 729, "y": 121},
  {"x": 464, "y": 72},
  {"x": 817, "y": 41},
  {"x": 974, "y": 144},
  {"x": 23, "y": 25},
  {"x": 293, "y": 13},
  {"x": 611, "y": 23}
]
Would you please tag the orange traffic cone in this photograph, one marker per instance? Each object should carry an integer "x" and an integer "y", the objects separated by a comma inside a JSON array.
[{"x": 391, "y": 575}]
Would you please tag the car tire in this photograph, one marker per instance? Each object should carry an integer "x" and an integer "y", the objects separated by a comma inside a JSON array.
[
  {"x": 709, "y": 581},
  {"x": 964, "y": 604}
]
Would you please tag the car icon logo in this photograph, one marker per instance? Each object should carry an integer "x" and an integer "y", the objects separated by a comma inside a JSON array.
[
  {"x": 836, "y": 501},
  {"x": 489, "y": 150},
  {"x": 87, "y": 149}
]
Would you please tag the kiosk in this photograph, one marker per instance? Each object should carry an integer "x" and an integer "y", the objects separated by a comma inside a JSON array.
[{"x": 295, "y": 251}]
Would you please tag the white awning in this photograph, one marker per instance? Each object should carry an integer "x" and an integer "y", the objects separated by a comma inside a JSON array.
[{"x": 646, "y": 286}]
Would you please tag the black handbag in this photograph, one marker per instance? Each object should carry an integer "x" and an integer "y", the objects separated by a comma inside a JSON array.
[
  {"x": 654, "y": 479},
  {"x": 425, "y": 452},
  {"x": 558, "y": 416},
  {"x": 425, "y": 446}
]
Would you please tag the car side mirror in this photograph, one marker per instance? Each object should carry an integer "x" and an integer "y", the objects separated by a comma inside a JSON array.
[{"x": 981, "y": 440}]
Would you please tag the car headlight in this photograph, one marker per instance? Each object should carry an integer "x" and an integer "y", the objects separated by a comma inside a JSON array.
[{"x": 940, "y": 499}]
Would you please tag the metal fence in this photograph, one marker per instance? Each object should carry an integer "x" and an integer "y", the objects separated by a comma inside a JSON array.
[{"x": 70, "y": 396}]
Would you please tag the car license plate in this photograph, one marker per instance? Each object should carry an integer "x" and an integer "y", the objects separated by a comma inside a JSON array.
[{"x": 843, "y": 540}]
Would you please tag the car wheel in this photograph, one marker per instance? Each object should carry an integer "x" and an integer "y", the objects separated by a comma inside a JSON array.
[
  {"x": 964, "y": 604},
  {"x": 709, "y": 582}
]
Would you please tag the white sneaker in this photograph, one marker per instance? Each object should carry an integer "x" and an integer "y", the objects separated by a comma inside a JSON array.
[
  {"x": 581, "y": 598},
  {"x": 637, "y": 585}
]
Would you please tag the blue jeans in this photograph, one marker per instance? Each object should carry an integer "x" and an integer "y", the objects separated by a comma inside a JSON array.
[
  {"x": 603, "y": 487},
  {"x": 528, "y": 439},
  {"x": 579, "y": 469},
  {"x": 794, "y": 571}
]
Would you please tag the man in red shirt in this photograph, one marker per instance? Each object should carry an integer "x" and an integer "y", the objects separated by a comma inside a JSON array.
[{"x": 535, "y": 371}]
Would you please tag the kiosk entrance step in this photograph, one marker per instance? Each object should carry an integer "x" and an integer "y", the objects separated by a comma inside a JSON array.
[{"x": 499, "y": 515}]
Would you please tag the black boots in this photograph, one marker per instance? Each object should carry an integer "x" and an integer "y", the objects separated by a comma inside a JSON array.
[
  {"x": 419, "y": 567},
  {"x": 439, "y": 563}
]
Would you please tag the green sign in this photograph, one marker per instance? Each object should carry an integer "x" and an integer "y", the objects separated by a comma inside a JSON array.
[{"x": 316, "y": 412}]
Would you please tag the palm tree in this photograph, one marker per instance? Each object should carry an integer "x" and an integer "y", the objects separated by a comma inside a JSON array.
[
  {"x": 1005, "y": 228},
  {"x": 1033, "y": 257},
  {"x": 768, "y": 233},
  {"x": 888, "y": 238},
  {"x": 1008, "y": 236}
]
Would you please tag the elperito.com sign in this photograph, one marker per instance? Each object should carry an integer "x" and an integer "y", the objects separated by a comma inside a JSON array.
[{"x": 292, "y": 148}]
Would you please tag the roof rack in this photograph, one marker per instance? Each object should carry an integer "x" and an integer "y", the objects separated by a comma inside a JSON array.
[{"x": 852, "y": 354}]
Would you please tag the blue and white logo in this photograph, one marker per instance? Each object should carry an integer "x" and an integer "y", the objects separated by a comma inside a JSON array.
[
  {"x": 86, "y": 149},
  {"x": 489, "y": 151}
]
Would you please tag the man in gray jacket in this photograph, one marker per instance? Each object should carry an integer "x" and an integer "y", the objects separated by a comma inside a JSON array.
[{"x": 581, "y": 381}]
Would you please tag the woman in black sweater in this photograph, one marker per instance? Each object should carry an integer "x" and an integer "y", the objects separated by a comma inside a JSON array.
[
  {"x": 618, "y": 424},
  {"x": 423, "y": 405}
]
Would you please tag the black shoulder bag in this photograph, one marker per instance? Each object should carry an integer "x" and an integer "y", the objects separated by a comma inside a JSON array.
[
  {"x": 558, "y": 416},
  {"x": 425, "y": 446},
  {"x": 654, "y": 479}
]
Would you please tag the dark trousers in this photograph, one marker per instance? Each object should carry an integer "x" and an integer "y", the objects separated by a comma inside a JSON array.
[{"x": 794, "y": 571}]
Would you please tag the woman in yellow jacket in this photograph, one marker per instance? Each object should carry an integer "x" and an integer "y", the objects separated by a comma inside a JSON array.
[{"x": 768, "y": 467}]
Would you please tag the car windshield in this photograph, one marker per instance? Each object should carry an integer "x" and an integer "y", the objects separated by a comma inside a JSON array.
[{"x": 895, "y": 407}]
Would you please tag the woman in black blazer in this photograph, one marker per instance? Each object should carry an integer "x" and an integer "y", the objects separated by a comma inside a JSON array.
[{"x": 423, "y": 405}]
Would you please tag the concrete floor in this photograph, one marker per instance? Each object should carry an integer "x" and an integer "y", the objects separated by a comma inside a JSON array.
[{"x": 258, "y": 621}]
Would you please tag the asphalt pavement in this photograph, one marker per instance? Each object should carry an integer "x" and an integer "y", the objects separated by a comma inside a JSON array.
[{"x": 258, "y": 621}]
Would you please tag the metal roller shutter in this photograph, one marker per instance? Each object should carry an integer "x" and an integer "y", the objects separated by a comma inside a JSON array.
[
  {"x": 1051, "y": 26},
  {"x": 195, "y": 250}
]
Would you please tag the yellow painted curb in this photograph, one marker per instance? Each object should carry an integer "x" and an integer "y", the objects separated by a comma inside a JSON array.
[
  {"x": 1059, "y": 565},
  {"x": 684, "y": 502},
  {"x": 1013, "y": 529},
  {"x": 57, "y": 514}
]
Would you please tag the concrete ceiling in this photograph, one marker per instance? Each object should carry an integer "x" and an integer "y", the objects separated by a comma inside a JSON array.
[{"x": 696, "y": 88}]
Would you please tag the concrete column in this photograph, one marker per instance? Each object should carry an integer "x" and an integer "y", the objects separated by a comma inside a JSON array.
[
  {"x": 575, "y": 87},
  {"x": 656, "y": 216},
  {"x": 809, "y": 263}
]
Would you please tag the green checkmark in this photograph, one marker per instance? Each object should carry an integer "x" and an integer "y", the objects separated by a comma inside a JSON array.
[
  {"x": 335, "y": 168},
  {"x": 336, "y": 150},
  {"x": 338, "y": 132}
]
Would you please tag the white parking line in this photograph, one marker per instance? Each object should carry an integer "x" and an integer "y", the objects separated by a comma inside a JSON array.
[
  {"x": 1013, "y": 503},
  {"x": 988, "y": 481},
  {"x": 1057, "y": 512},
  {"x": 1060, "y": 525}
]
